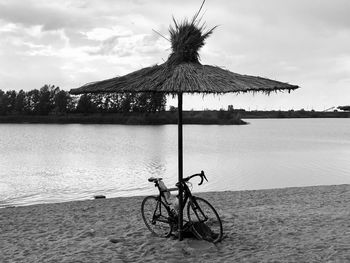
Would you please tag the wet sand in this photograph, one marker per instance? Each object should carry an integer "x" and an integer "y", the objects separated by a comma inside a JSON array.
[{"x": 310, "y": 224}]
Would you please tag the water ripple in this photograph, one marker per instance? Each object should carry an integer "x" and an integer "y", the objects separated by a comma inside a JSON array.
[{"x": 54, "y": 163}]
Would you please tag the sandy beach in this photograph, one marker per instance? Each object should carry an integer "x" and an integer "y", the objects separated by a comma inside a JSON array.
[{"x": 310, "y": 224}]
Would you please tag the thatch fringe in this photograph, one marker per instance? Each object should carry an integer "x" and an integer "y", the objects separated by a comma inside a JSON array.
[{"x": 185, "y": 78}]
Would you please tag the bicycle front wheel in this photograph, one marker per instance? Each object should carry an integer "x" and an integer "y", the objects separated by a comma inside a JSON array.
[
  {"x": 156, "y": 216},
  {"x": 206, "y": 223}
]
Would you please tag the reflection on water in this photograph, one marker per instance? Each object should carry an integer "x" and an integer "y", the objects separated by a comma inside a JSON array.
[{"x": 54, "y": 163}]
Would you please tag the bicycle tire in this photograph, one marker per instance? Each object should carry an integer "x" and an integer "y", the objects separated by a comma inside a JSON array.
[
  {"x": 156, "y": 216},
  {"x": 206, "y": 225}
]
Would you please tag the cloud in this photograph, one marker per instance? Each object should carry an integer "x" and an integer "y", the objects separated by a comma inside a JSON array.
[
  {"x": 68, "y": 43},
  {"x": 107, "y": 47},
  {"x": 51, "y": 17},
  {"x": 101, "y": 34}
]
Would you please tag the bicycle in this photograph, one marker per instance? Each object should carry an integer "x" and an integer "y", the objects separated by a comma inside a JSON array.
[{"x": 162, "y": 219}]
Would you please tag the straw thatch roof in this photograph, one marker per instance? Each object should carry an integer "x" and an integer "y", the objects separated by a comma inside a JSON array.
[{"x": 183, "y": 72}]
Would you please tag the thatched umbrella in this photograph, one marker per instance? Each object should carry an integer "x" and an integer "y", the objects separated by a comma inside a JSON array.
[{"x": 183, "y": 73}]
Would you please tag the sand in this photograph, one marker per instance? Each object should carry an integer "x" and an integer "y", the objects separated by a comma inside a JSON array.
[{"x": 310, "y": 224}]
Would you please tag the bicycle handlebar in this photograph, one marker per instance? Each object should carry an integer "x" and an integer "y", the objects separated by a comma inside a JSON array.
[{"x": 201, "y": 174}]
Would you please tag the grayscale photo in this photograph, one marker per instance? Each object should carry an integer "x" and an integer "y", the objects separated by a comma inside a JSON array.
[{"x": 174, "y": 131}]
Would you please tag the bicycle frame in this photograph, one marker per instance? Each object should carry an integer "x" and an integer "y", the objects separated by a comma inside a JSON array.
[
  {"x": 187, "y": 196},
  {"x": 158, "y": 206}
]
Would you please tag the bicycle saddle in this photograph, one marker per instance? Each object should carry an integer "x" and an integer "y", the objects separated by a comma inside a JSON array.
[{"x": 154, "y": 179}]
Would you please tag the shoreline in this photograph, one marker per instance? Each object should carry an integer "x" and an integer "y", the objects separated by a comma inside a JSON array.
[
  {"x": 195, "y": 193},
  {"x": 210, "y": 117},
  {"x": 304, "y": 224},
  {"x": 131, "y": 118}
]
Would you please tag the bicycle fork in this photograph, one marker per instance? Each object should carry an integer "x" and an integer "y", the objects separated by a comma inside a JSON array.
[{"x": 198, "y": 211}]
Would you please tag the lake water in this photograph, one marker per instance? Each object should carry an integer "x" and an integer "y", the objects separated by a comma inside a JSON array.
[{"x": 43, "y": 163}]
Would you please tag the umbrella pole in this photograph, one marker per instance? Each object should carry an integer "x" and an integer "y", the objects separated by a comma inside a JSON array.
[{"x": 180, "y": 165}]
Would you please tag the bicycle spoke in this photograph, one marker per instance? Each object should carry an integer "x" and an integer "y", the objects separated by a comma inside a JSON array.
[{"x": 156, "y": 216}]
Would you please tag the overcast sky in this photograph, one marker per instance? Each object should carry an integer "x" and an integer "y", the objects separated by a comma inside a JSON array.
[{"x": 70, "y": 43}]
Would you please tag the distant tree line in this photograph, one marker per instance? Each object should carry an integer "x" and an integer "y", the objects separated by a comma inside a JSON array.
[
  {"x": 51, "y": 99},
  {"x": 344, "y": 108}
]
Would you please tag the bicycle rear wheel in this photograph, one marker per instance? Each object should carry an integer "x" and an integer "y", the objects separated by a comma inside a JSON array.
[
  {"x": 206, "y": 223},
  {"x": 156, "y": 216}
]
